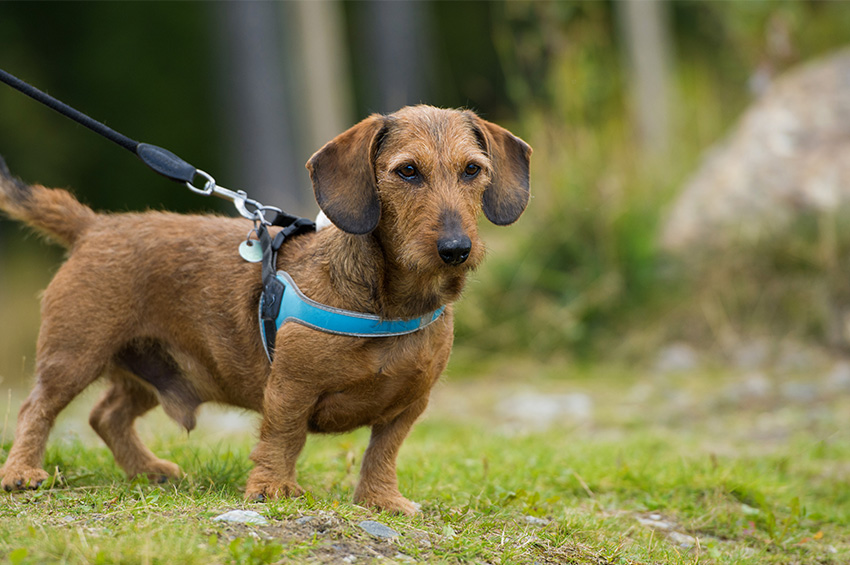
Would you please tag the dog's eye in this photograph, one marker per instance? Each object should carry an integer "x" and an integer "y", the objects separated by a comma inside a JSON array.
[
  {"x": 471, "y": 170},
  {"x": 407, "y": 172}
]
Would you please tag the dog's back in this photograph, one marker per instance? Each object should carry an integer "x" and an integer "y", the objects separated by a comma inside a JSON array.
[{"x": 54, "y": 212}]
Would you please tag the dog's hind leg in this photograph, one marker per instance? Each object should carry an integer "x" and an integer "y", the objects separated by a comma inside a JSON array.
[
  {"x": 113, "y": 417},
  {"x": 58, "y": 382}
]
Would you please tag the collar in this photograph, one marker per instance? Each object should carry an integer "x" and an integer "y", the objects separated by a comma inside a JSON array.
[{"x": 293, "y": 306}]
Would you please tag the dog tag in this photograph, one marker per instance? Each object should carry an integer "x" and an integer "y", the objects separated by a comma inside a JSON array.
[{"x": 251, "y": 251}]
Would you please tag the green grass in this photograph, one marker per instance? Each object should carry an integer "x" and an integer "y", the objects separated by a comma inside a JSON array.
[{"x": 737, "y": 482}]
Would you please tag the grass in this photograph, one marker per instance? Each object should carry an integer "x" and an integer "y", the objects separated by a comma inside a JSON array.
[{"x": 643, "y": 479}]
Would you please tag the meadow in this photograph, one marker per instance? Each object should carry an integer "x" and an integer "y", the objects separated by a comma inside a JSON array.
[{"x": 528, "y": 464}]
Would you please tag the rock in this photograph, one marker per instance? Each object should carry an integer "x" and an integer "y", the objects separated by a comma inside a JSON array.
[
  {"x": 751, "y": 355},
  {"x": 535, "y": 521},
  {"x": 378, "y": 530},
  {"x": 682, "y": 540},
  {"x": 799, "y": 392},
  {"x": 304, "y": 520},
  {"x": 242, "y": 517},
  {"x": 788, "y": 154},
  {"x": 753, "y": 387},
  {"x": 656, "y": 522},
  {"x": 540, "y": 411},
  {"x": 838, "y": 379},
  {"x": 676, "y": 358}
]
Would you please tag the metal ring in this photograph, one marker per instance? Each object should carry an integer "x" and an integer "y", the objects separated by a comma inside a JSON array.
[
  {"x": 209, "y": 185},
  {"x": 261, "y": 210}
]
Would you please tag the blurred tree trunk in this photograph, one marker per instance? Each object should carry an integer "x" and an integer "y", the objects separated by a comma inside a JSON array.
[
  {"x": 258, "y": 128},
  {"x": 325, "y": 90},
  {"x": 645, "y": 27},
  {"x": 398, "y": 52}
]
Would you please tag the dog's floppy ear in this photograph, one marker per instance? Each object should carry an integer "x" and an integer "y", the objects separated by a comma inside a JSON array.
[
  {"x": 506, "y": 197},
  {"x": 343, "y": 175}
]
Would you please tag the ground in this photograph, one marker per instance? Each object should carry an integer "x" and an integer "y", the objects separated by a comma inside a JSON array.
[{"x": 528, "y": 462}]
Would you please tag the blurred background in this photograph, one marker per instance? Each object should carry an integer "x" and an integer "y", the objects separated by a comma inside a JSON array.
[{"x": 690, "y": 168}]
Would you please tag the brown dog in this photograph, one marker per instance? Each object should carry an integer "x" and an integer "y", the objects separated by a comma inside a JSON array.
[{"x": 163, "y": 306}]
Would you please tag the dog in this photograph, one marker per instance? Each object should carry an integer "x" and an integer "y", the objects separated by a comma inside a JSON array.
[{"x": 163, "y": 307}]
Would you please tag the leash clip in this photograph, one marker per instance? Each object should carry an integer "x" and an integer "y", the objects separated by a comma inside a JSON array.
[{"x": 247, "y": 207}]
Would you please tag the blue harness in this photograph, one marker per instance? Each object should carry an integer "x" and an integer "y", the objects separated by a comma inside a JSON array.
[
  {"x": 294, "y": 306},
  {"x": 282, "y": 301}
]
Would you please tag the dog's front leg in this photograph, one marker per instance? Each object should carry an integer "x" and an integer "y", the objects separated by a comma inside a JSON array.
[
  {"x": 378, "y": 484},
  {"x": 283, "y": 432}
]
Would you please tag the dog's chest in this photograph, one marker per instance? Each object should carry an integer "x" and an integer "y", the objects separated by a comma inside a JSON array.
[{"x": 372, "y": 383}]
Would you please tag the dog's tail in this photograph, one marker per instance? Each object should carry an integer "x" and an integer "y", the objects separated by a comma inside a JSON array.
[{"x": 52, "y": 211}]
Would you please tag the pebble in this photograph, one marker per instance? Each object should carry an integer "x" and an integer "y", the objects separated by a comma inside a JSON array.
[
  {"x": 242, "y": 517},
  {"x": 655, "y": 522},
  {"x": 682, "y": 540},
  {"x": 539, "y": 411},
  {"x": 676, "y": 358},
  {"x": 378, "y": 530},
  {"x": 535, "y": 521},
  {"x": 838, "y": 379},
  {"x": 751, "y": 387},
  {"x": 304, "y": 520}
]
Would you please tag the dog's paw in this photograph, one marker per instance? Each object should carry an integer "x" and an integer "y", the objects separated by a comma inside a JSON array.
[
  {"x": 394, "y": 503},
  {"x": 261, "y": 490},
  {"x": 22, "y": 478},
  {"x": 161, "y": 471}
]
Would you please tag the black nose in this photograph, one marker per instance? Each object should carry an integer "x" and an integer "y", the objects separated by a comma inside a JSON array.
[{"x": 455, "y": 250}]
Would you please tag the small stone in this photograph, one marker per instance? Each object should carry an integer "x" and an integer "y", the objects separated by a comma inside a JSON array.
[
  {"x": 676, "y": 358},
  {"x": 682, "y": 540},
  {"x": 796, "y": 391},
  {"x": 752, "y": 387},
  {"x": 655, "y": 524},
  {"x": 838, "y": 379},
  {"x": 304, "y": 520},
  {"x": 378, "y": 530},
  {"x": 539, "y": 411},
  {"x": 242, "y": 517},
  {"x": 535, "y": 521}
]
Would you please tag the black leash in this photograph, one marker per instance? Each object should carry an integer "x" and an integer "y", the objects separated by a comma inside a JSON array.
[
  {"x": 173, "y": 167},
  {"x": 160, "y": 160}
]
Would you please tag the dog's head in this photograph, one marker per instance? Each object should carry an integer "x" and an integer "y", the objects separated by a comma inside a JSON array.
[{"x": 419, "y": 178}]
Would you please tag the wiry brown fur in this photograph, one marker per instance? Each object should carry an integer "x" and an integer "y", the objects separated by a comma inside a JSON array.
[{"x": 163, "y": 307}]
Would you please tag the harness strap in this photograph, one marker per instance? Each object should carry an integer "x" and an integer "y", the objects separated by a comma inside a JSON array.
[
  {"x": 272, "y": 287},
  {"x": 292, "y": 305}
]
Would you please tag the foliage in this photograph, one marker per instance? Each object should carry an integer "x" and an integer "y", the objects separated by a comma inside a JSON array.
[{"x": 582, "y": 273}]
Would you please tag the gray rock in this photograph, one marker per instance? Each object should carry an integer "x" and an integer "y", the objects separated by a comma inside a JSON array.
[
  {"x": 753, "y": 387},
  {"x": 751, "y": 355},
  {"x": 242, "y": 517},
  {"x": 656, "y": 522},
  {"x": 799, "y": 392},
  {"x": 789, "y": 153},
  {"x": 535, "y": 521},
  {"x": 378, "y": 530},
  {"x": 676, "y": 358},
  {"x": 682, "y": 540},
  {"x": 540, "y": 411},
  {"x": 838, "y": 379},
  {"x": 304, "y": 520}
]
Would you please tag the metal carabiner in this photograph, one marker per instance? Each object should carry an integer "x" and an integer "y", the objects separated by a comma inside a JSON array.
[
  {"x": 238, "y": 197},
  {"x": 209, "y": 185}
]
